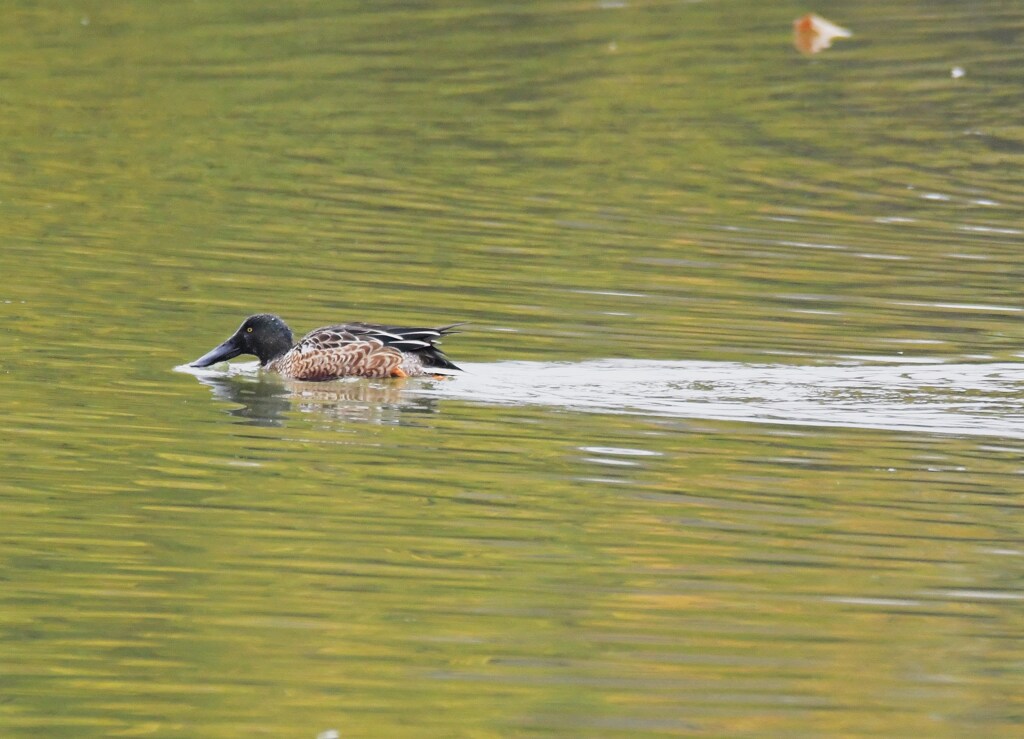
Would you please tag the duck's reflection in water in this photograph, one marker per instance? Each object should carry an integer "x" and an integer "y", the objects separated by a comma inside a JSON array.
[{"x": 268, "y": 401}]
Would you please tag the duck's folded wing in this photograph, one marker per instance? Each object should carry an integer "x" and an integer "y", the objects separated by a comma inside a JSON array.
[{"x": 409, "y": 339}]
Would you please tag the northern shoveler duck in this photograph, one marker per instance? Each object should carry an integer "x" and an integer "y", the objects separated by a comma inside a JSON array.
[{"x": 344, "y": 350}]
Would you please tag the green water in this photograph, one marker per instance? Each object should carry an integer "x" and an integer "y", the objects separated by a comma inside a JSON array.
[{"x": 186, "y": 556}]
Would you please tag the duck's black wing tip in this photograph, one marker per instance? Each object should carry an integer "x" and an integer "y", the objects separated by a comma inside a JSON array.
[{"x": 434, "y": 358}]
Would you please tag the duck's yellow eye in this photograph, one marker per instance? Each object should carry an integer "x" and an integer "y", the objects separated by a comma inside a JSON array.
[{"x": 249, "y": 330}]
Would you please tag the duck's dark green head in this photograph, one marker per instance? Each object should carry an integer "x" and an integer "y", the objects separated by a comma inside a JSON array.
[{"x": 263, "y": 335}]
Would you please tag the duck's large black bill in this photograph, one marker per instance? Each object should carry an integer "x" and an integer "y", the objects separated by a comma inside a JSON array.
[{"x": 230, "y": 348}]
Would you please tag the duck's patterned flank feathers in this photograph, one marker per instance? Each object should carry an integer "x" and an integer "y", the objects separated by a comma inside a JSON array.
[
  {"x": 364, "y": 349},
  {"x": 315, "y": 361},
  {"x": 421, "y": 342}
]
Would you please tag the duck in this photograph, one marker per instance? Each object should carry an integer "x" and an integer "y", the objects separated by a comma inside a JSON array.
[{"x": 331, "y": 352}]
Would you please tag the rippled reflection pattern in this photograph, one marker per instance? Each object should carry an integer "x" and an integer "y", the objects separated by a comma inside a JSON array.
[{"x": 738, "y": 447}]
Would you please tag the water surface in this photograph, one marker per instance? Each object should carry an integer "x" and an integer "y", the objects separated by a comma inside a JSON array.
[{"x": 738, "y": 445}]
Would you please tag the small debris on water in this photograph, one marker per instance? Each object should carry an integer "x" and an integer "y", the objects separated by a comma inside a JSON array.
[{"x": 812, "y": 33}]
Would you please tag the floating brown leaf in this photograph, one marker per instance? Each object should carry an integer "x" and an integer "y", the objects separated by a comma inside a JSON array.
[{"x": 812, "y": 33}]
